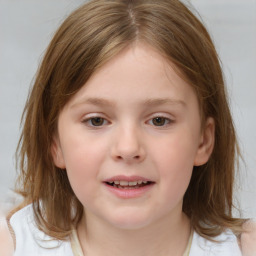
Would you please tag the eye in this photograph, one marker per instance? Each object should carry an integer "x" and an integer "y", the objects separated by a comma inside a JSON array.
[
  {"x": 160, "y": 121},
  {"x": 95, "y": 121}
]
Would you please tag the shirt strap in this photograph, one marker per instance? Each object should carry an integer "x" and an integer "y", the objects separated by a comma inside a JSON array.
[{"x": 75, "y": 244}]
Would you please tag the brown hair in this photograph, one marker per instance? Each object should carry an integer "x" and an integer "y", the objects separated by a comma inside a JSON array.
[{"x": 87, "y": 39}]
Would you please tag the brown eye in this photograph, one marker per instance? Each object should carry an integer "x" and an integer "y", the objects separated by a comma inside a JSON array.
[
  {"x": 97, "y": 121},
  {"x": 160, "y": 121}
]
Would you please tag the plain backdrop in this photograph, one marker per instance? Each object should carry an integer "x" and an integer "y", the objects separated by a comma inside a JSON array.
[{"x": 26, "y": 27}]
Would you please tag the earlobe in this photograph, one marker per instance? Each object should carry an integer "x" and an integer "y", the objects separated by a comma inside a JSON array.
[
  {"x": 206, "y": 144},
  {"x": 57, "y": 154}
]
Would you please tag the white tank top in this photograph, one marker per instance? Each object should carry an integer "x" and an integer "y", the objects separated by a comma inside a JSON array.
[{"x": 30, "y": 241}]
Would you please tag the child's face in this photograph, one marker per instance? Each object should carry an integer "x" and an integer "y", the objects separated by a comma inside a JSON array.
[{"x": 135, "y": 120}]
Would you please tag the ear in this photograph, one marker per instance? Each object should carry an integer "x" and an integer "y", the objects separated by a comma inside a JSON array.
[
  {"x": 57, "y": 154},
  {"x": 206, "y": 143}
]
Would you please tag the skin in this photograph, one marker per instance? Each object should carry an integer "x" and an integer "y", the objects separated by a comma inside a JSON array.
[
  {"x": 131, "y": 95},
  {"x": 248, "y": 238},
  {"x": 6, "y": 242},
  {"x": 129, "y": 229}
]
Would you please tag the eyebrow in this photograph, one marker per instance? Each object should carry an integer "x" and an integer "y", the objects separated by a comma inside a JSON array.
[
  {"x": 101, "y": 102},
  {"x": 95, "y": 101},
  {"x": 163, "y": 101}
]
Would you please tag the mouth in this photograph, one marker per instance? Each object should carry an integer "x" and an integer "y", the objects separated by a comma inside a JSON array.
[
  {"x": 128, "y": 187},
  {"x": 123, "y": 184}
]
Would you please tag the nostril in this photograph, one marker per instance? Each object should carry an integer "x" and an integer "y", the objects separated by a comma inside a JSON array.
[{"x": 134, "y": 157}]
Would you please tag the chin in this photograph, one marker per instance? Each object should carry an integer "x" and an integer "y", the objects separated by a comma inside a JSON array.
[{"x": 130, "y": 221}]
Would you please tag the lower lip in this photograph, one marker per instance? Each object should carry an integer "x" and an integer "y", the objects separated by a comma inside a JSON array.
[{"x": 129, "y": 192}]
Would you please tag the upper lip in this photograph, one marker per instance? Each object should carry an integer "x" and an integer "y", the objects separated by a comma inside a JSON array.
[{"x": 127, "y": 178}]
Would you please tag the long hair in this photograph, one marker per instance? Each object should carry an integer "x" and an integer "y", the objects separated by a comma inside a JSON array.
[{"x": 87, "y": 39}]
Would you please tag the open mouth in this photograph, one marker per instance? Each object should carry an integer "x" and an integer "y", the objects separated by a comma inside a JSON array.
[{"x": 129, "y": 184}]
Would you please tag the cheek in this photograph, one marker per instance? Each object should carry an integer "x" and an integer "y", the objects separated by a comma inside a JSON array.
[
  {"x": 82, "y": 160},
  {"x": 82, "y": 173},
  {"x": 81, "y": 151},
  {"x": 176, "y": 152},
  {"x": 174, "y": 158}
]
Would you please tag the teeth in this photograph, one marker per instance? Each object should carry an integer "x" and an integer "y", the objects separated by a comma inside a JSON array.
[
  {"x": 124, "y": 183},
  {"x": 128, "y": 183}
]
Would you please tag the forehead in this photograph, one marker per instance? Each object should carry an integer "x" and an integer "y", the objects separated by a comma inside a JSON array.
[{"x": 138, "y": 73}]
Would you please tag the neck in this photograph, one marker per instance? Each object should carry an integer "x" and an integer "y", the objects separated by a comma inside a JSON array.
[{"x": 165, "y": 237}]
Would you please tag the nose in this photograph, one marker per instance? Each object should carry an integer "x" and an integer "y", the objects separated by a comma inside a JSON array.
[{"x": 128, "y": 146}]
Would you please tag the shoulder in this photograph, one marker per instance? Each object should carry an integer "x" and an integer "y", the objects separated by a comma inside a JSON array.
[
  {"x": 30, "y": 240},
  {"x": 224, "y": 244},
  {"x": 6, "y": 242},
  {"x": 248, "y": 238}
]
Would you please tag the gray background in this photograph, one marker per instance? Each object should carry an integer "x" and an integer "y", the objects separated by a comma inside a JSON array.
[{"x": 26, "y": 27}]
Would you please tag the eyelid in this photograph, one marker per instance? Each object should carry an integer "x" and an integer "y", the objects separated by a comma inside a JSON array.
[
  {"x": 161, "y": 115},
  {"x": 89, "y": 117}
]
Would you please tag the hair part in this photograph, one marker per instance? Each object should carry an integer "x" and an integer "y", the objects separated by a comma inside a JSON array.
[{"x": 87, "y": 39}]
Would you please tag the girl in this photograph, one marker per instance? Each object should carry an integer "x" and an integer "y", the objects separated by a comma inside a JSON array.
[{"x": 128, "y": 145}]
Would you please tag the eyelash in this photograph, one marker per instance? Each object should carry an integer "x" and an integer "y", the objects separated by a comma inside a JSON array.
[
  {"x": 167, "y": 121},
  {"x": 88, "y": 121}
]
